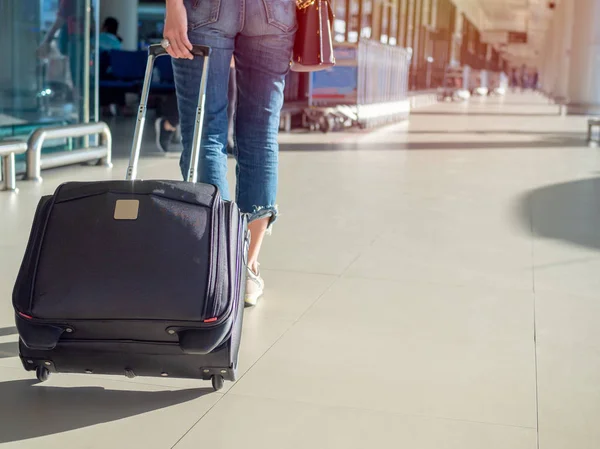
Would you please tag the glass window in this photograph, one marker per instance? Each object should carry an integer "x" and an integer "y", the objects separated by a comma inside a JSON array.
[{"x": 46, "y": 78}]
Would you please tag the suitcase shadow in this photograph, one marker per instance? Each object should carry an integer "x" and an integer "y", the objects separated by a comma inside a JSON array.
[
  {"x": 28, "y": 411},
  {"x": 6, "y": 331},
  {"x": 563, "y": 212},
  {"x": 10, "y": 349}
]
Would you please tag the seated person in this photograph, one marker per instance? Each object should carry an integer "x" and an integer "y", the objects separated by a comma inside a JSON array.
[
  {"x": 109, "y": 37},
  {"x": 111, "y": 100}
]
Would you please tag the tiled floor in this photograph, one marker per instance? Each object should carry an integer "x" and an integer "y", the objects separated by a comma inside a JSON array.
[{"x": 431, "y": 285}]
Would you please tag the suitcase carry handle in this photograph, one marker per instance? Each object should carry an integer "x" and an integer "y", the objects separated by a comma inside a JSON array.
[{"x": 156, "y": 51}]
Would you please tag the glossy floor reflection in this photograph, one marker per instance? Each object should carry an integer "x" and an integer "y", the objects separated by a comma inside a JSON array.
[{"x": 430, "y": 285}]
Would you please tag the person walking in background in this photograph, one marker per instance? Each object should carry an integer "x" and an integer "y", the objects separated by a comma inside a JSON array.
[
  {"x": 524, "y": 78},
  {"x": 259, "y": 34},
  {"x": 535, "y": 80},
  {"x": 168, "y": 116},
  {"x": 70, "y": 21},
  {"x": 514, "y": 79}
]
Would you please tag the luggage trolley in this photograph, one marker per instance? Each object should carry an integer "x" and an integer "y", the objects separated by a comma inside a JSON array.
[
  {"x": 453, "y": 87},
  {"x": 332, "y": 93}
]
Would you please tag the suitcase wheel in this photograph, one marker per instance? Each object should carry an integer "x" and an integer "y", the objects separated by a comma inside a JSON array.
[
  {"x": 42, "y": 373},
  {"x": 217, "y": 382}
]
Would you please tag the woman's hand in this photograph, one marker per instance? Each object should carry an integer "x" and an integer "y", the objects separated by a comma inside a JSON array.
[{"x": 176, "y": 30}]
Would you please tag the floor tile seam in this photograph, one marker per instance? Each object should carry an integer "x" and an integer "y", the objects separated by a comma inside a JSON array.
[
  {"x": 535, "y": 340},
  {"x": 536, "y": 371},
  {"x": 196, "y": 423},
  {"x": 266, "y": 269},
  {"x": 254, "y": 364},
  {"x": 438, "y": 283},
  {"x": 388, "y": 412},
  {"x": 366, "y": 248},
  {"x": 285, "y": 331},
  {"x": 426, "y": 340},
  {"x": 281, "y": 336}
]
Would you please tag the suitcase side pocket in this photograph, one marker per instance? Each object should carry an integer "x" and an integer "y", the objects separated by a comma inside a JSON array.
[{"x": 219, "y": 300}]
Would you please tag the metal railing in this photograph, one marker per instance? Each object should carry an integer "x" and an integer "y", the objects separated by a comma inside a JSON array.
[
  {"x": 7, "y": 153},
  {"x": 36, "y": 161},
  {"x": 382, "y": 83}
]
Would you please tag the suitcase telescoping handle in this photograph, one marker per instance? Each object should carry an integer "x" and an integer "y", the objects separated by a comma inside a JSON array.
[{"x": 156, "y": 51}]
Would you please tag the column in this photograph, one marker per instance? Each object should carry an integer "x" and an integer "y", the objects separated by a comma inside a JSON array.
[
  {"x": 562, "y": 33},
  {"x": 455, "y": 35},
  {"x": 562, "y": 82},
  {"x": 545, "y": 65},
  {"x": 584, "y": 67},
  {"x": 549, "y": 68},
  {"x": 554, "y": 63},
  {"x": 376, "y": 20},
  {"x": 126, "y": 12}
]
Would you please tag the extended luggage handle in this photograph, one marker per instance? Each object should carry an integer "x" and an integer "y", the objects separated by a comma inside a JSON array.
[{"x": 156, "y": 51}]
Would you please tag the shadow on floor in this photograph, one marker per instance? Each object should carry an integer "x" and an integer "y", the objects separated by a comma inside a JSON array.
[
  {"x": 487, "y": 114},
  {"x": 560, "y": 134},
  {"x": 6, "y": 331},
  {"x": 558, "y": 142},
  {"x": 568, "y": 212},
  {"x": 28, "y": 411},
  {"x": 10, "y": 349}
]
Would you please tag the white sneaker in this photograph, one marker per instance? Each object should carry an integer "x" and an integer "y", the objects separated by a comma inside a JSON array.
[{"x": 255, "y": 287}]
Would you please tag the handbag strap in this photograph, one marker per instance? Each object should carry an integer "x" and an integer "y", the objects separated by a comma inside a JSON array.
[
  {"x": 330, "y": 12},
  {"x": 304, "y": 4}
]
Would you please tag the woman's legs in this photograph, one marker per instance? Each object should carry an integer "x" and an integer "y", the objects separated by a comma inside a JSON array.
[
  {"x": 262, "y": 58},
  {"x": 167, "y": 122},
  {"x": 262, "y": 54},
  {"x": 232, "y": 95}
]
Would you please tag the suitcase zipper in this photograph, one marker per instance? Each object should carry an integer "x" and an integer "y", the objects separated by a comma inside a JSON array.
[
  {"x": 233, "y": 281},
  {"x": 207, "y": 313},
  {"x": 213, "y": 315}
]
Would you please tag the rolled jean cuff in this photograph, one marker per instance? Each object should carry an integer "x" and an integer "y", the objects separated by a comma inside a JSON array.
[{"x": 261, "y": 212}]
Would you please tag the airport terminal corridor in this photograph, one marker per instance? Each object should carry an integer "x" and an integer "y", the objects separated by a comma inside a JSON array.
[{"x": 429, "y": 285}]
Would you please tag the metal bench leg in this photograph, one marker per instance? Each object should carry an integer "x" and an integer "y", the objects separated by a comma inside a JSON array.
[
  {"x": 8, "y": 173},
  {"x": 288, "y": 122},
  {"x": 106, "y": 140},
  {"x": 589, "y": 133}
]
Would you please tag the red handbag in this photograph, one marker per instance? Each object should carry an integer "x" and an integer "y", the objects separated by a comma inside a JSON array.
[{"x": 313, "y": 47}]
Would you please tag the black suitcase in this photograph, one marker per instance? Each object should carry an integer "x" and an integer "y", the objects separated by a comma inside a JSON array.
[{"x": 138, "y": 278}]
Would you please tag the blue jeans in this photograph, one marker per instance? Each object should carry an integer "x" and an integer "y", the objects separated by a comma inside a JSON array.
[{"x": 260, "y": 36}]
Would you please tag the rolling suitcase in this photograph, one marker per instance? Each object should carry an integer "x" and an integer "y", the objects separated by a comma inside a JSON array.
[{"x": 138, "y": 278}]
